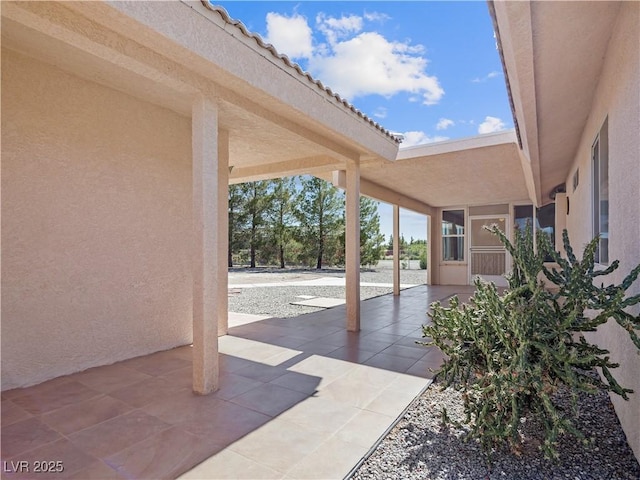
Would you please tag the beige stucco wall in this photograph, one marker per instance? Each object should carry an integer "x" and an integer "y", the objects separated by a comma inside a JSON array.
[
  {"x": 618, "y": 98},
  {"x": 96, "y": 224}
]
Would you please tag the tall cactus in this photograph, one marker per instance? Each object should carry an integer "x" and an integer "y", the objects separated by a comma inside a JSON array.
[{"x": 509, "y": 353}]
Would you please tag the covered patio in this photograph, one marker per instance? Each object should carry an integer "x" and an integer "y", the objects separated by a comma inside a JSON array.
[{"x": 293, "y": 393}]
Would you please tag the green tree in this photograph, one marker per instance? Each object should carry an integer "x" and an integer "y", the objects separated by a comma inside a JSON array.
[
  {"x": 371, "y": 240},
  {"x": 237, "y": 219},
  {"x": 258, "y": 200},
  {"x": 280, "y": 214},
  {"x": 319, "y": 212}
]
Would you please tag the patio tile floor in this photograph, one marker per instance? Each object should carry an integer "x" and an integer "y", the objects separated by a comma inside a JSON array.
[{"x": 299, "y": 398}]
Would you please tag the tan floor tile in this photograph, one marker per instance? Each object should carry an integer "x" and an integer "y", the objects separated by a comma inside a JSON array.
[
  {"x": 85, "y": 414},
  {"x": 117, "y": 433},
  {"x": 269, "y": 399},
  {"x": 220, "y": 421},
  {"x": 142, "y": 393},
  {"x": 72, "y": 459},
  {"x": 320, "y": 415},
  {"x": 57, "y": 396},
  {"x": 365, "y": 428},
  {"x": 110, "y": 377},
  {"x": 179, "y": 406},
  {"x": 391, "y": 362},
  {"x": 322, "y": 367},
  {"x": 377, "y": 377},
  {"x": 230, "y": 363},
  {"x": 182, "y": 377},
  {"x": 416, "y": 352},
  {"x": 351, "y": 354},
  {"x": 232, "y": 385},
  {"x": 19, "y": 392},
  {"x": 26, "y": 435},
  {"x": 12, "y": 413},
  {"x": 185, "y": 352},
  {"x": 299, "y": 382},
  {"x": 98, "y": 470},
  {"x": 278, "y": 445},
  {"x": 229, "y": 465},
  {"x": 423, "y": 369},
  {"x": 394, "y": 399},
  {"x": 158, "y": 363},
  {"x": 163, "y": 455},
  {"x": 261, "y": 372},
  {"x": 333, "y": 459},
  {"x": 354, "y": 393}
]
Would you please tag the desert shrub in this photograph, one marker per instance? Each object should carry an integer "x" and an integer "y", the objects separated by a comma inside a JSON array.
[
  {"x": 423, "y": 260},
  {"x": 510, "y": 352}
]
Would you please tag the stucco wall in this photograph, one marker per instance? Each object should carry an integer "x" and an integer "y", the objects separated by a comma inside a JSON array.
[
  {"x": 618, "y": 98},
  {"x": 96, "y": 224}
]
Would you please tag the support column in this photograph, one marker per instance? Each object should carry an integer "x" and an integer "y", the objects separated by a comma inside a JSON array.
[
  {"x": 435, "y": 246},
  {"x": 223, "y": 232},
  {"x": 429, "y": 250},
  {"x": 206, "y": 218},
  {"x": 352, "y": 246},
  {"x": 396, "y": 250}
]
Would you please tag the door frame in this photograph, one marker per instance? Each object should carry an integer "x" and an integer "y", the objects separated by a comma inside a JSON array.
[{"x": 499, "y": 280}]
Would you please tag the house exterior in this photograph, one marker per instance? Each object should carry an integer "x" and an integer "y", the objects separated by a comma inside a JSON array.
[{"x": 123, "y": 124}]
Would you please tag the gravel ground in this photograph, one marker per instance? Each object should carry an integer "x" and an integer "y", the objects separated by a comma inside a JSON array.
[
  {"x": 276, "y": 301},
  {"x": 419, "y": 448}
]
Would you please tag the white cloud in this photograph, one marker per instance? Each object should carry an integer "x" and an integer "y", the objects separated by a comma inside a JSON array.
[
  {"x": 370, "y": 64},
  {"x": 380, "y": 112},
  {"x": 444, "y": 123},
  {"x": 376, "y": 17},
  {"x": 290, "y": 35},
  {"x": 335, "y": 28},
  {"x": 487, "y": 77},
  {"x": 353, "y": 62},
  {"x": 414, "y": 138},
  {"x": 490, "y": 125}
]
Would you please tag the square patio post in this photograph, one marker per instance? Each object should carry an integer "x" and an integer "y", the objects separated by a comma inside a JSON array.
[
  {"x": 207, "y": 215},
  {"x": 223, "y": 232},
  {"x": 396, "y": 250},
  {"x": 429, "y": 247},
  {"x": 352, "y": 246}
]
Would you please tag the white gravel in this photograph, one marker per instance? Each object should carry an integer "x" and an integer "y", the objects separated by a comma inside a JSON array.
[
  {"x": 418, "y": 447},
  {"x": 276, "y": 301}
]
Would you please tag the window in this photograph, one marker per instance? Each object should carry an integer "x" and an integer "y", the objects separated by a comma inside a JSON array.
[
  {"x": 453, "y": 235},
  {"x": 546, "y": 223},
  {"x": 600, "y": 186},
  {"x": 523, "y": 216}
]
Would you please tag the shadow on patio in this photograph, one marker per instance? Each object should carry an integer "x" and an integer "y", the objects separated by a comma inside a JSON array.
[{"x": 294, "y": 393}]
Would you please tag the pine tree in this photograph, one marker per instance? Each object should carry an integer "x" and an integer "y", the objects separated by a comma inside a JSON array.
[
  {"x": 319, "y": 212},
  {"x": 237, "y": 218},
  {"x": 280, "y": 213},
  {"x": 257, "y": 204},
  {"x": 371, "y": 240}
]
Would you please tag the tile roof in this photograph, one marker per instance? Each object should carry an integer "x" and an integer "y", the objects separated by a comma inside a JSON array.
[{"x": 287, "y": 62}]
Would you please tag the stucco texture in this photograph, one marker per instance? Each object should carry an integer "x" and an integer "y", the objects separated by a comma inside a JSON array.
[
  {"x": 96, "y": 224},
  {"x": 618, "y": 99}
]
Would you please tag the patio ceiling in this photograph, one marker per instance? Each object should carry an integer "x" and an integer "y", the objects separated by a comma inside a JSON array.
[
  {"x": 167, "y": 53},
  {"x": 480, "y": 170},
  {"x": 553, "y": 60}
]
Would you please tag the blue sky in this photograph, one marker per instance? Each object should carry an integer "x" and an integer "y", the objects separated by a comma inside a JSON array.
[{"x": 427, "y": 70}]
